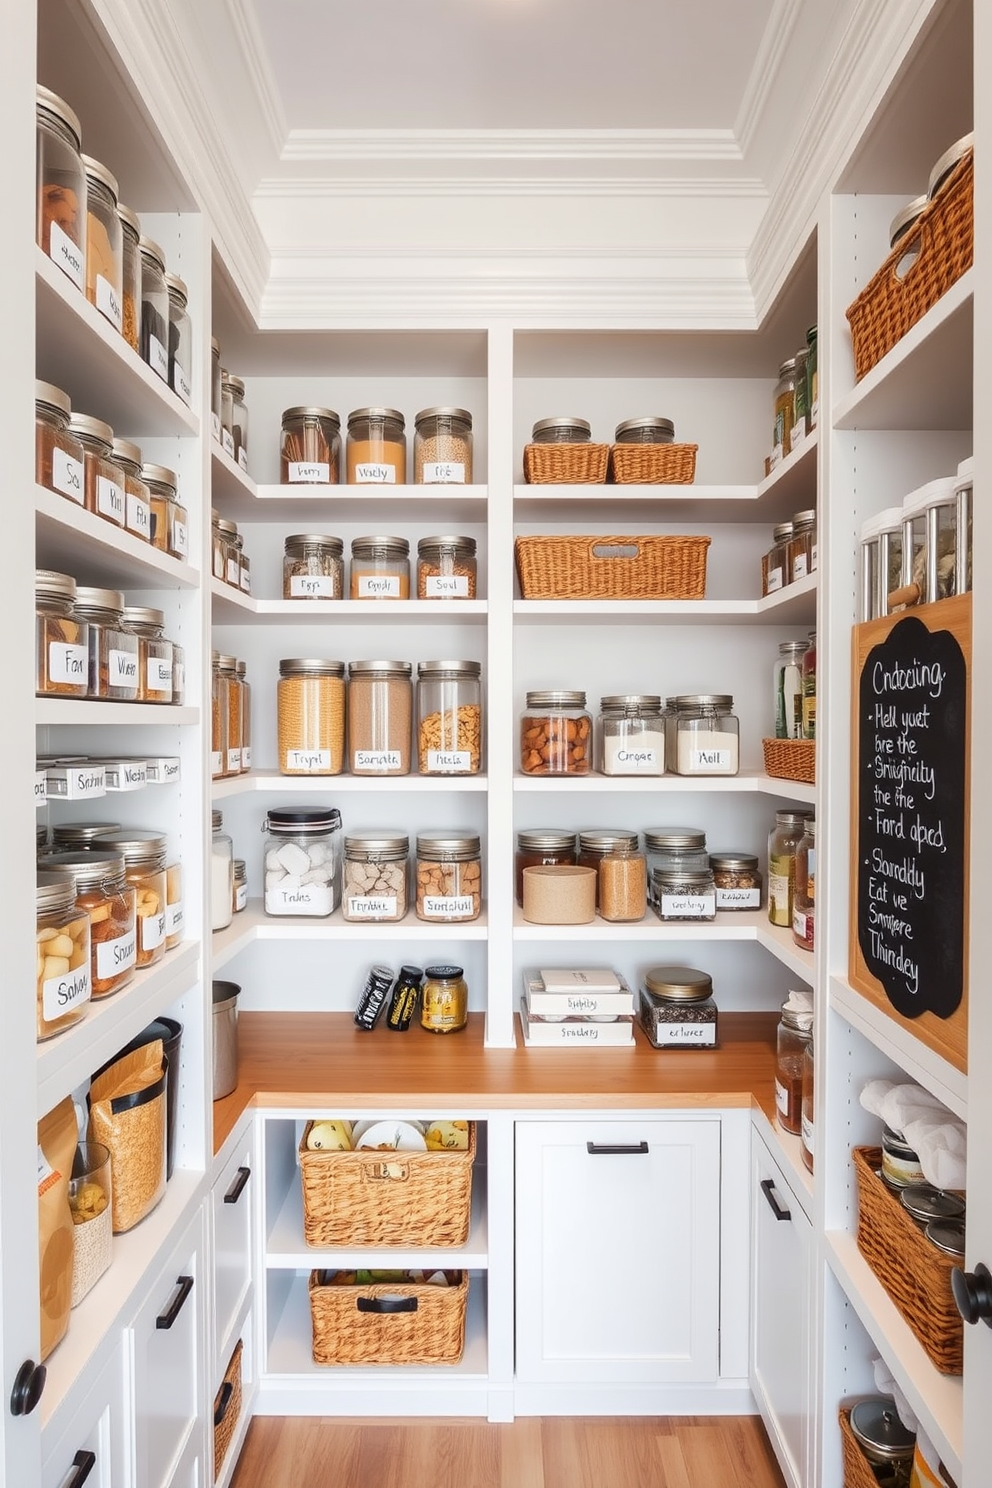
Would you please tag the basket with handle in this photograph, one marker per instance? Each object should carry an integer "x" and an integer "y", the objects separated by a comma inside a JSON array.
[
  {"x": 611, "y": 567},
  {"x": 388, "y": 1322}
]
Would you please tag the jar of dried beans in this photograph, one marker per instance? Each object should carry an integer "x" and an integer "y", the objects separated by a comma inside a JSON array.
[
  {"x": 63, "y": 943},
  {"x": 442, "y": 447},
  {"x": 449, "y": 717},
  {"x": 375, "y": 876},
  {"x": 310, "y": 708},
  {"x": 380, "y": 708},
  {"x": 556, "y": 734},
  {"x": 380, "y": 568},
  {"x": 449, "y": 878},
  {"x": 137, "y": 497},
  {"x": 144, "y": 854},
  {"x": 154, "y": 308},
  {"x": 60, "y": 230},
  {"x": 104, "y": 253},
  {"x": 113, "y": 651},
  {"x": 130, "y": 277},
  {"x": 312, "y": 567},
  {"x": 376, "y": 450},
  {"x": 58, "y": 454},
  {"x": 446, "y": 568},
  {"x": 62, "y": 645},
  {"x": 109, "y": 901},
  {"x": 310, "y": 447},
  {"x": 103, "y": 479}
]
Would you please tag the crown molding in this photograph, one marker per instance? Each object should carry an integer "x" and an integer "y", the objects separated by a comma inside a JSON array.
[
  {"x": 390, "y": 187},
  {"x": 446, "y": 145},
  {"x": 247, "y": 33},
  {"x": 766, "y": 70}
]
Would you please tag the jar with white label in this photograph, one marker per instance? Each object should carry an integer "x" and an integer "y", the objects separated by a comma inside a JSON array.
[
  {"x": 240, "y": 891},
  {"x": 310, "y": 713},
  {"x": 154, "y": 653},
  {"x": 449, "y": 717},
  {"x": 683, "y": 894},
  {"x": 375, "y": 877},
  {"x": 775, "y": 563},
  {"x": 596, "y": 847},
  {"x": 219, "y": 719},
  {"x": 310, "y": 447},
  {"x": 178, "y": 675},
  {"x": 109, "y": 901},
  {"x": 674, "y": 849},
  {"x": 303, "y": 862},
  {"x": 380, "y": 568},
  {"x": 442, "y": 447},
  {"x": 113, "y": 651},
  {"x": 555, "y": 734},
  {"x": 221, "y": 874},
  {"x": 137, "y": 497},
  {"x": 446, "y": 568},
  {"x": 62, "y": 645},
  {"x": 229, "y": 694},
  {"x": 170, "y": 529},
  {"x": 801, "y": 550},
  {"x": 677, "y": 1008},
  {"x": 804, "y": 889},
  {"x": 154, "y": 308},
  {"x": 58, "y": 454},
  {"x": 376, "y": 448},
  {"x": 245, "y": 717},
  {"x": 312, "y": 566},
  {"x": 449, "y": 877},
  {"x": 104, "y": 249},
  {"x": 631, "y": 735},
  {"x": 63, "y": 943},
  {"x": 60, "y": 228},
  {"x": 103, "y": 479},
  {"x": 226, "y": 563},
  {"x": 180, "y": 339},
  {"x": 380, "y": 716},
  {"x": 706, "y": 732},
  {"x": 233, "y": 391},
  {"x": 144, "y": 854},
  {"x": 130, "y": 277},
  {"x": 783, "y": 840},
  {"x": 736, "y": 879},
  {"x": 175, "y": 910}
]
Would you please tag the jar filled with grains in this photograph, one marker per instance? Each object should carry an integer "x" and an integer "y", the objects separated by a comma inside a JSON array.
[
  {"x": 63, "y": 945},
  {"x": 62, "y": 643},
  {"x": 60, "y": 229},
  {"x": 154, "y": 308},
  {"x": 677, "y": 1008},
  {"x": 736, "y": 879},
  {"x": 622, "y": 876},
  {"x": 596, "y": 847},
  {"x": 231, "y": 702},
  {"x": 375, "y": 876},
  {"x": 449, "y": 877},
  {"x": 245, "y": 717},
  {"x": 449, "y": 717},
  {"x": 380, "y": 568},
  {"x": 311, "y": 716},
  {"x": 631, "y": 735},
  {"x": 144, "y": 854},
  {"x": 101, "y": 890},
  {"x": 310, "y": 447},
  {"x": 376, "y": 448},
  {"x": 234, "y": 389},
  {"x": 556, "y": 734},
  {"x": 58, "y": 454},
  {"x": 312, "y": 567},
  {"x": 154, "y": 652},
  {"x": 303, "y": 862},
  {"x": 544, "y": 847},
  {"x": 113, "y": 651},
  {"x": 380, "y": 710},
  {"x": 785, "y": 407},
  {"x": 137, "y": 497},
  {"x": 446, "y": 568},
  {"x": 103, "y": 479},
  {"x": 219, "y": 716},
  {"x": 104, "y": 259},
  {"x": 442, "y": 447},
  {"x": 130, "y": 277}
]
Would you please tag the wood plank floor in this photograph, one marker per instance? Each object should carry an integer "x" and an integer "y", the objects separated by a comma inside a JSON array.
[{"x": 554, "y": 1452}]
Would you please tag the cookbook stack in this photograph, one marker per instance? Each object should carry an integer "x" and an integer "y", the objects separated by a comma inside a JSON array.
[{"x": 566, "y": 1007}]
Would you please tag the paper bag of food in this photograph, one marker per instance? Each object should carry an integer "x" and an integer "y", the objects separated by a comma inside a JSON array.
[
  {"x": 127, "y": 1114},
  {"x": 57, "y": 1136}
]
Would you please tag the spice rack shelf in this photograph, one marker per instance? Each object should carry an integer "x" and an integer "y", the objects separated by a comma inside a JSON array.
[
  {"x": 941, "y": 1078},
  {"x": 56, "y": 711},
  {"x": 253, "y": 924},
  {"x": 747, "y": 782},
  {"x": 312, "y": 785},
  {"x": 72, "y": 540},
  {"x": 79, "y": 351},
  {"x": 233, "y": 608},
  {"x": 792, "y": 606},
  {"x": 286, "y": 1248}
]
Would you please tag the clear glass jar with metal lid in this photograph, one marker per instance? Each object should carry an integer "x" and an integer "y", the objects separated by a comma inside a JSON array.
[
  {"x": 64, "y": 985},
  {"x": 645, "y": 431},
  {"x": 226, "y": 560},
  {"x": 81, "y": 836},
  {"x": 175, "y": 908},
  {"x": 376, "y": 447},
  {"x": 736, "y": 879},
  {"x": 783, "y": 840},
  {"x": 170, "y": 530},
  {"x": 449, "y": 717},
  {"x": 446, "y": 568},
  {"x": 219, "y": 716},
  {"x": 785, "y": 397},
  {"x": 215, "y": 393},
  {"x": 244, "y": 570},
  {"x": 449, "y": 877},
  {"x": 812, "y": 378},
  {"x": 218, "y": 556},
  {"x": 144, "y": 854},
  {"x": 137, "y": 497},
  {"x": 380, "y": 717},
  {"x": 60, "y": 229},
  {"x": 677, "y": 1008},
  {"x": 683, "y": 893},
  {"x": 631, "y": 734},
  {"x": 233, "y": 388},
  {"x": 375, "y": 876},
  {"x": 130, "y": 277},
  {"x": 622, "y": 883},
  {"x": 303, "y": 862},
  {"x": 310, "y": 447},
  {"x": 800, "y": 556},
  {"x": 594, "y": 846},
  {"x": 240, "y": 890},
  {"x": 230, "y": 696},
  {"x": 103, "y": 479},
  {"x": 787, "y": 689},
  {"x": 706, "y": 735},
  {"x": 562, "y": 429},
  {"x": 380, "y": 568},
  {"x": 442, "y": 447},
  {"x": 804, "y": 889},
  {"x": 104, "y": 248},
  {"x": 674, "y": 849},
  {"x": 886, "y": 1443},
  {"x": 310, "y": 714},
  {"x": 794, "y": 1032},
  {"x": 556, "y": 734},
  {"x": 245, "y": 717},
  {"x": 178, "y": 675},
  {"x": 800, "y": 403},
  {"x": 154, "y": 652},
  {"x": 62, "y": 642},
  {"x": 232, "y": 563},
  {"x": 180, "y": 339},
  {"x": 226, "y": 413},
  {"x": 154, "y": 308},
  {"x": 546, "y": 847},
  {"x": 113, "y": 651},
  {"x": 58, "y": 454},
  {"x": 312, "y": 566},
  {"x": 775, "y": 563},
  {"x": 103, "y": 892},
  {"x": 221, "y": 874}
]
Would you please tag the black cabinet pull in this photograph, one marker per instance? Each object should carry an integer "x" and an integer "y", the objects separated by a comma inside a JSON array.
[
  {"x": 616, "y": 1149},
  {"x": 386, "y": 1304},
  {"x": 768, "y": 1189},
  {"x": 223, "y": 1401},
  {"x": 973, "y": 1294},
  {"x": 237, "y": 1188},
  {"x": 82, "y": 1465},
  {"x": 29, "y": 1382},
  {"x": 184, "y": 1285}
]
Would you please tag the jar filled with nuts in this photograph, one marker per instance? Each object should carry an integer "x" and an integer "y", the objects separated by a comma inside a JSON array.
[
  {"x": 556, "y": 734},
  {"x": 442, "y": 447},
  {"x": 446, "y": 568},
  {"x": 101, "y": 890},
  {"x": 144, "y": 854},
  {"x": 449, "y": 717},
  {"x": 375, "y": 876},
  {"x": 63, "y": 942},
  {"x": 449, "y": 878}
]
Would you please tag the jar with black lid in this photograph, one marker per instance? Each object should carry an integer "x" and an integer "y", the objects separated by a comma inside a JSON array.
[
  {"x": 376, "y": 447},
  {"x": 310, "y": 447},
  {"x": 539, "y": 848},
  {"x": 58, "y": 454},
  {"x": 303, "y": 862},
  {"x": 563, "y": 429},
  {"x": 312, "y": 566},
  {"x": 104, "y": 256},
  {"x": 113, "y": 651},
  {"x": 103, "y": 479},
  {"x": 677, "y": 1008},
  {"x": 446, "y": 568},
  {"x": 736, "y": 879},
  {"x": 60, "y": 230},
  {"x": 442, "y": 447},
  {"x": 137, "y": 497},
  {"x": 154, "y": 308},
  {"x": 130, "y": 277},
  {"x": 180, "y": 339},
  {"x": 645, "y": 431}
]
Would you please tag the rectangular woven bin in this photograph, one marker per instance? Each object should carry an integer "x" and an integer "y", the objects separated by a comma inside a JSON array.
[
  {"x": 642, "y": 567},
  {"x": 566, "y": 464},
  {"x": 227, "y": 1408},
  {"x": 892, "y": 301},
  {"x": 916, "y": 1275},
  {"x": 790, "y": 759},
  {"x": 388, "y": 1322},
  {"x": 857, "y": 1468},
  {"x": 653, "y": 464},
  {"x": 386, "y": 1198}
]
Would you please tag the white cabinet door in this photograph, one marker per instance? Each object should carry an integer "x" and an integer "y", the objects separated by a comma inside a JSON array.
[
  {"x": 617, "y": 1250},
  {"x": 232, "y": 1208},
  {"x": 780, "y": 1302},
  {"x": 93, "y": 1447}
]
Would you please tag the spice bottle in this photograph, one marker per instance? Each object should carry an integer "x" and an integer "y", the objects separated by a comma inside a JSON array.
[
  {"x": 310, "y": 447},
  {"x": 103, "y": 479},
  {"x": 801, "y": 551},
  {"x": 442, "y": 447},
  {"x": 376, "y": 448},
  {"x": 775, "y": 563},
  {"x": 736, "y": 880},
  {"x": 226, "y": 414},
  {"x": 170, "y": 532},
  {"x": 233, "y": 389},
  {"x": 806, "y": 1140},
  {"x": 449, "y": 878},
  {"x": 130, "y": 277},
  {"x": 303, "y": 862},
  {"x": 706, "y": 735},
  {"x": 60, "y": 230},
  {"x": 154, "y": 308},
  {"x": 104, "y": 257},
  {"x": 804, "y": 889},
  {"x": 795, "y": 1030},
  {"x": 783, "y": 840},
  {"x": 404, "y": 999},
  {"x": 809, "y": 688},
  {"x": 137, "y": 497},
  {"x": 62, "y": 641},
  {"x": 221, "y": 874},
  {"x": 446, "y": 568},
  {"x": 677, "y": 1009},
  {"x": 245, "y": 717},
  {"x": 240, "y": 891},
  {"x": 113, "y": 651},
  {"x": 144, "y": 854},
  {"x": 219, "y": 718},
  {"x": 380, "y": 707},
  {"x": 631, "y": 735},
  {"x": 63, "y": 945},
  {"x": 100, "y": 889},
  {"x": 444, "y": 1000},
  {"x": 812, "y": 381},
  {"x": 154, "y": 653},
  {"x": 787, "y": 689},
  {"x": 58, "y": 454},
  {"x": 800, "y": 404},
  {"x": 380, "y": 568},
  {"x": 375, "y": 877},
  {"x": 180, "y": 339},
  {"x": 449, "y": 717},
  {"x": 546, "y": 847},
  {"x": 310, "y": 708},
  {"x": 785, "y": 395},
  {"x": 312, "y": 567},
  {"x": 555, "y": 734}
]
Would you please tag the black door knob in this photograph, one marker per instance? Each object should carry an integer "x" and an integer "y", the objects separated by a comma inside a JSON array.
[
  {"x": 28, "y": 1385},
  {"x": 973, "y": 1294}
]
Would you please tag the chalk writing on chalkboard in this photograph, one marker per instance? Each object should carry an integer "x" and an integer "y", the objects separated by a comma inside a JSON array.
[{"x": 911, "y": 817}]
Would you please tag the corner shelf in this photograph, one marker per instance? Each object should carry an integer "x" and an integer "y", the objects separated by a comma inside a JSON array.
[
  {"x": 310, "y": 785},
  {"x": 943, "y": 1080}
]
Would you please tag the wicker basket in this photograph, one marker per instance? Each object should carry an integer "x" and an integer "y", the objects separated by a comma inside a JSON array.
[
  {"x": 653, "y": 464},
  {"x": 889, "y": 305},
  {"x": 389, "y": 1322},
  {"x": 227, "y": 1408},
  {"x": 566, "y": 464},
  {"x": 612, "y": 567},
  {"x": 790, "y": 759},
  {"x": 386, "y": 1198},
  {"x": 916, "y": 1275},
  {"x": 857, "y": 1469}
]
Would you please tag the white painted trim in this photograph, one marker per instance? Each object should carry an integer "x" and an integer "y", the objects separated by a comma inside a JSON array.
[
  {"x": 510, "y": 144},
  {"x": 769, "y": 60},
  {"x": 248, "y": 35},
  {"x": 585, "y": 187}
]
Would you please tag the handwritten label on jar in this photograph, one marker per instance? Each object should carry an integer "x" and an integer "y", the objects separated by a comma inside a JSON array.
[
  {"x": 377, "y": 759},
  {"x": 686, "y": 1033},
  {"x": 688, "y": 906},
  {"x": 216, "y": 763},
  {"x": 67, "y": 475},
  {"x": 310, "y": 761},
  {"x": 227, "y": 442},
  {"x": 317, "y": 473},
  {"x": 781, "y": 1098},
  {"x": 138, "y": 517},
  {"x": 774, "y": 580},
  {"x": 158, "y": 358},
  {"x": 108, "y": 302},
  {"x": 174, "y": 917},
  {"x": 302, "y": 899},
  {"x": 115, "y": 956},
  {"x": 379, "y": 586},
  {"x": 623, "y": 759},
  {"x": 245, "y": 580},
  {"x": 110, "y": 499},
  {"x": 122, "y": 670},
  {"x": 76, "y": 783},
  {"x": 67, "y": 663},
  {"x": 182, "y": 385},
  {"x": 311, "y": 586},
  {"x": 126, "y": 775},
  {"x": 738, "y": 898},
  {"x": 234, "y": 761},
  {"x": 159, "y": 674},
  {"x": 447, "y": 586},
  {"x": 707, "y": 761},
  {"x": 243, "y": 458},
  {"x": 802, "y": 925},
  {"x": 246, "y": 758},
  {"x": 152, "y": 931},
  {"x": 449, "y": 761},
  {"x": 812, "y": 558},
  {"x": 233, "y": 572},
  {"x": 62, "y": 993},
  {"x": 807, "y": 1134},
  {"x": 447, "y": 907},
  {"x": 373, "y": 907},
  {"x": 180, "y": 545},
  {"x": 374, "y": 474},
  {"x": 63, "y": 251},
  {"x": 40, "y": 787},
  {"x": 799, "y": 566},
  {"x": 444, "y": 473}
]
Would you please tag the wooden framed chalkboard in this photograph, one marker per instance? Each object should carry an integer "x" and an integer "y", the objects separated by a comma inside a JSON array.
[{"x": 908, "y": 948}]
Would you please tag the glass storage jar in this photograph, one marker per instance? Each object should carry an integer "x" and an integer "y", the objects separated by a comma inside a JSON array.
[
  {"x": 785, "y": 398},
  {"x": 215, "y": 393},
  {"x": 62, "y": 644},
  {"x": 783, "y": 840},
  {"x": 310, "y": 714},
  {"x": 103, "y": 479},
  {"x": 449, "y": 877},
  {"x": 645, "y": 431},
  {"x": 631, "y": 735},
  {"x": 444, "y": 999},
  {"x": 154, "y": 308},
  {"x": 227, "y": 667},
  {"x": 801, "y": 551},
  {"x": 595, "y": 847},
  {"x": 442, "y": 447},
  {"x": 137, "y": 497},
  {"x": 233, "y": 388},
  {"x": 379, "y": 718},
  {"x": 787, "y": 689},
  {"x": 806, "y": 1139},
  {"x": 175, "y": 909},
  {"x": 218, "y": 551},
  {"x": 58, "y": 454},
  {"x": 812, "y": 379},
  {"x": 684, "y": 894},
  {"x": 154, "y": 653},
  {"x": 375, "y": 876},
  {"x": 144, "y": 854},
  {"x": 556, "y": 734},
  {"x": 376, "y": 447},
  {"x": 947, "y": 518},
  {"x": 240, "y": 900},
  {"x": 674, "y": 849},
  {"x": 870, "y": 570},
  {"x": 63, "y": 944},
  {"x": 228, "y": 558},
  {"x": 178, "y": 675},
  {"x": 219, "y": 719},
  {"x": 706, "y": 735},
  {"x": 81, "y": 836},
  {"x": 804, "y": 889},
  {"x": 775, "y": 563},
  {"x": 446, "y": 568},
  {"x": 919, "y": 567},
  {"x": 226, "y": 414},
  {"x": 60, "y": 230},
  {"x": 113, "y": 651},
  {"x": 244, "y": 571},
  {"x": 541, "y": 848},
  {"x": 890, "y": 546},
  {"x": 800, "y": 404},
  {"x": 104, "y": 249},
  {"x": 900, "y": 1163},
  {"x": 795, "y": 1031},
  {"x": 809, "y": 688},
  {"x": 622, "y": 884},
  {"x": 736, "y": 879},
  {"x": 170, "y": 530},
  {"x": 562, "y": 429},
  {"x": 180, "y": 339},
  {"x": 103, "y": 893},
  {"x": 449, "y": 717},
  {"x": 963, "y": 490},
  {"x": 130, "y": 277},
  {"x": 232, "y": 567},
  {"x": 677, "y": 1008},
  {"x": 312, "y": 567},
  {"x": 380, "y": 568},
  {"x": 221, "y": 874},
  {"x": 310, "y": 447},
  {"x": 303, "y": 862},
  {"x": 245, "y": 717}
]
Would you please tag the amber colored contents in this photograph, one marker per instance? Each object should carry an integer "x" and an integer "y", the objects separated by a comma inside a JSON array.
[
  {"x": 387, "y": 452},
  {"x": 550, "y": 745},
  {"x": 311, "y": 725}
]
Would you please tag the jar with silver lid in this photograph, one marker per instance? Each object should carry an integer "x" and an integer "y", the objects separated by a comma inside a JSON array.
[
  {"x": 674, "y": 849},
  {"x": 886, "y": 1443},
  {"x": 70, "y": 836},
  {"x": 144, "y": 854},
  {"x": 448, "y": 877},
  {"x": 446, "y": 568},
  {"x": 900, "y": 1163},
  {"x": 215, "y": 393},
  {"x": 379, "y": 717},
  {"x": 137, "y": 497},
  {"x": 736, "y": 879},
  {"x": 449, "y": 717},
  {"x": 62, "y": 640},
  {"x": 113, "y": 651},
  {"x": 221, "y": 874},
  {"x": 240, "y": 893},
  {"x": 63, "y": 945},
  {"x": 170, "y": 531},
  {"x": 310, "y": 447},
  {"x": 58, "y": 454},
  {"x": 233, "y": 393},
  {"x": 631, "y": 734},
  {"x": 242, "y": 675},
  {"x": 596, "y": 847},
  {"x": 376, "y": 447},
  {"x": 544, "y": 848},
  {"x": 706, "y": 735},
  {"x": 645, "y": 431},
  {"x": 154, "y": 652},
  {"x": 881, "y": 561},
  {"x": 925, "y": 1202},
  {"x": 180, "y": 339},
  {"x": 442, "y": 447},
  {"x": 677, "y": 1008},
  {"x": 312, "y": 566},
  {"x": 783, "y": 844},
  {"x": 563, "y": 429},
  {"x": 683, "y": 894},
  {"x": 556, "y": 734},
  {"x": 785, "y": 406},
  {"x": 104, "y": 248},
  {"x": 130, "y": 277},
  {"x": 787, "y": 689},
  {"x": 101, "y": 890},
  {"x": 375, "y": 876},
  {"x": 60, "y": 227},
  {"x": 801, "y": 551},
  {"x": 775, "y": 563},
  {"x": 380, "y": 568},
  {"x": 103, "y": 479},
  {"x": 154, "y": 308},
  {"x": 226, "y": 560}
]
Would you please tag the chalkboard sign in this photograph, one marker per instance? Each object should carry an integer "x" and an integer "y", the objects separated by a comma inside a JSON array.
[{"x": 909, "y": 882}]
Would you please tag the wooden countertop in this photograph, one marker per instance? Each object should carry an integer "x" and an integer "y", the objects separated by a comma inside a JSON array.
[{"x": 307, "y": 1061}]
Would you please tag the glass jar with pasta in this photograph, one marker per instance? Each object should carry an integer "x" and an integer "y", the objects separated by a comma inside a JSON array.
[
  {"x": 109, "y": 901},
  {"x": 63, "y": 942},
  {"x": 449, "y": 717},
  {"x": 144, "y": 854},
  {"x": 310, "y": 708}
]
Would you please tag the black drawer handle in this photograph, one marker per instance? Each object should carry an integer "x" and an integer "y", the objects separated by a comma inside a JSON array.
[
  {"x": 237, "y": 1188},
  {"x": 223, "y": 1401},
  {"x": 768, "y": 1189},
  {"x": 184, "y": 1285},
  {"x": 386, "y": 1304},
  {"x": 618, "y": 1149},
  {"x": 82, "y": 1465}
]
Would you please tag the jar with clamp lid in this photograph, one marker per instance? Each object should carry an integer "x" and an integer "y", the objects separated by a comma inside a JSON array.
[
  {"x": 180, "y": 339},
  {"x": 442, "y": 447},
  {"x": 446, "y": 568},
  {"x": 375, "y": 876},
  {"x": 310, "y": 447},
  {"x": 104, "y": 248},
  {"x": 103, "y": 479},
  {"x": 229, "y": 692},
  {"x": 144, "y": 854},
  {"x": 380, "y": 568},
  {"x": 631, "y": 735},
  {"x": 312, "y": 567},
  {"x": 379, "y": 718},
  {"x": 235, "y": 410},
  {"x": 130, "y": 277},
  {"x": 113, "y": 651},
  {"x": 556, "y": 734},
  {"x": 170, "y": 530},
  {"x": 376, "y": 447},
  {"x": 58, "y": 454},
  {"x": 63, "y": 944},
  {"x": 801, "y": 553},
  {"x": 137, "y": 497},
  {"x": 674, "y": 849},
  {"x": 154, "y": 308},
  {"x": 706, "y": 735},
  {"x": 542, "y": 848},
  {"x": 795, "y": 1030},
  {"x": 154, "y": 653},
  {"x": 677, "y": 1008},
  {"x": 303, "y": 862},
  {"x": 62, "y": 640},
  {"x": 783, "y": 840},
  {"x": 449, "y": 717},
  {"x": 775, "y": 563},
  {"x": 310, "y": 715},
  {"x": 449, "y": 877},
  {"x": 60, "y": 229},
  {"x": 103, "y": 893}
]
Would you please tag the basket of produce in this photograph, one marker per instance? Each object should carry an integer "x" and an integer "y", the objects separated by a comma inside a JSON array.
[
  {"x": 653, "y": 464},
  {"x": 388, "y": 1317},
  {"x": 589, "y": 567},
  {"x": 790, "y": 759}
]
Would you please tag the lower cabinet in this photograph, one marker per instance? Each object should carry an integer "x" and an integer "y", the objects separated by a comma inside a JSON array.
[
  {"x": 231, "y": 1211},
  {"x": 618, "y": 1251},
  {"x": 93, "y": 1447}
]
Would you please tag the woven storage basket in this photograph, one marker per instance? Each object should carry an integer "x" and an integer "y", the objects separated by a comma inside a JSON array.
[
  {"x": 790, "y": 759},
  {"x": 916, "y": 1275},
  {"x": 857, "y": 1468},
  {"x": 386, "y": 1198},
  {"x": 653, "y": 464},
  {"x": 889, "y": 305},
  {"x": 611, "y": 567},
  {"x": 227, "y": 1408},
  {"x": 427, "y": 1327},
  {"x": 566, "y": 464}
]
